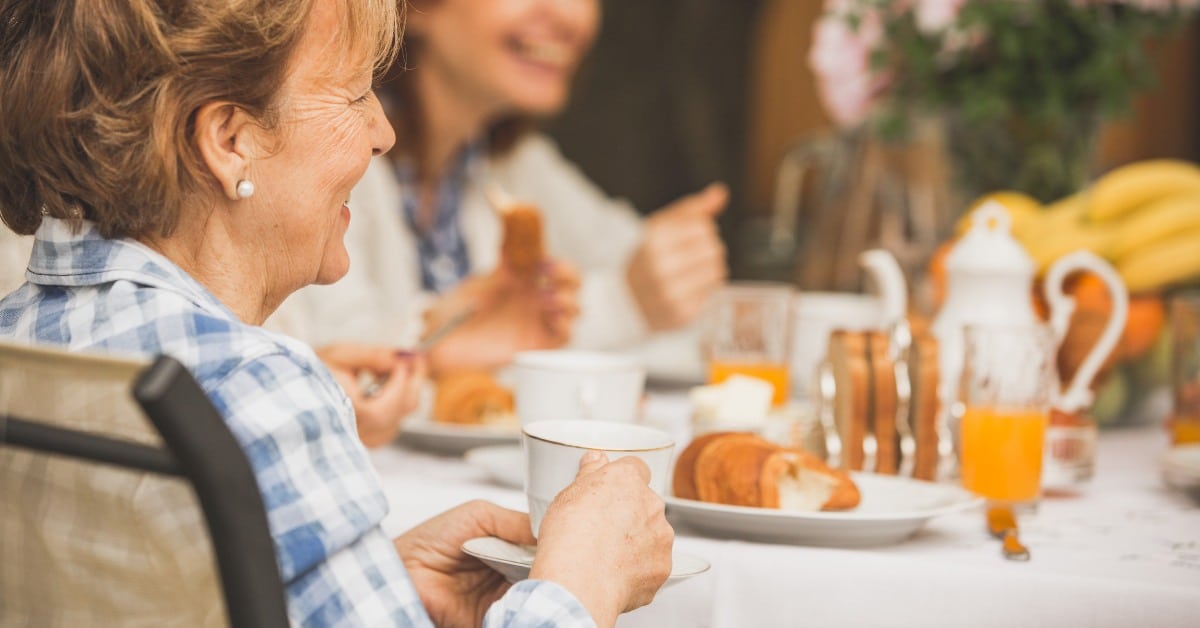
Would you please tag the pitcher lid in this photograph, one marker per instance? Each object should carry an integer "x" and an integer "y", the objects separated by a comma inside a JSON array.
[{"x": 988, "y": 246}]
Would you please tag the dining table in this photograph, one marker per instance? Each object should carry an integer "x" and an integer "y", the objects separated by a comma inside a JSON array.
[{"x": 1123, "y": 550}]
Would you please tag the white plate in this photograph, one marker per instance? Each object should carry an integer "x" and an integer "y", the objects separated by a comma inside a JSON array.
[
  {"x": 514, "y": 561},
  {"x": 892, "y": 509},
  {"x": 504, "y": 463},
  {"x": 446, "y": 438}
]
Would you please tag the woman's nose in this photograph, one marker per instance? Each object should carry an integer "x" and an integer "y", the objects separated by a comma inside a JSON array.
[{"x": 382, "y": 134}]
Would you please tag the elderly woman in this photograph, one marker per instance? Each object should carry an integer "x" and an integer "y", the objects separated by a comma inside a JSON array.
[
  {"x": 185, "y": 167},
  {"x": 478, "y": 74}
]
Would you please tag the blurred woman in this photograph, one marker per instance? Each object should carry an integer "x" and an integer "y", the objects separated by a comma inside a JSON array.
[
  {"x": 479, "y": 72},
  {"x": 184, "y": 171}
]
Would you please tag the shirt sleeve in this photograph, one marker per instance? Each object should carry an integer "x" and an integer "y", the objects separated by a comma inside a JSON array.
[
  {"x": 323, "y": 499},
  {"x": 538, "y": 604}
]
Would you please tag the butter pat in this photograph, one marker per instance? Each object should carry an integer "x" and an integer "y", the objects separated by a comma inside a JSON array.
[{"x": 738, "y": 403}]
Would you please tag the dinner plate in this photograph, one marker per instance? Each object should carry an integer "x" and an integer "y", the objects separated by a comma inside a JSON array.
[
  {"x": 446, "y": 438},
  {"x": 505, "y": 464},
  {"x": 891, "y": 510},
  {"x": 514, "y": 561}
]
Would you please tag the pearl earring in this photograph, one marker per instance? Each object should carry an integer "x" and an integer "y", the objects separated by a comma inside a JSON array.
[{"x": 245, "y": 188}]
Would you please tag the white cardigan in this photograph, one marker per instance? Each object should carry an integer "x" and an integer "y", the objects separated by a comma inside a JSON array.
[{"x": 381, "y": 300}]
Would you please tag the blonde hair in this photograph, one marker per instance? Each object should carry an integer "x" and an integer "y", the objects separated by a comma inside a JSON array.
[{"x": 99, "y": 97}]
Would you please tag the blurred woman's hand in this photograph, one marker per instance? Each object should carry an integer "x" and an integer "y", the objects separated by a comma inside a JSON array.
[
  {"x": 606, "y": 539},
  {"x": 681, "y": 260},
  {"x": 511, "y": 314},
  {"x": 398, "y": 374}
]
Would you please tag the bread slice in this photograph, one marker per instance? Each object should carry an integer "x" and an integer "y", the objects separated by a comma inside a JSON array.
[
  {"x": 925, "y": 406},
  {"x": 851, "y": 370},
  {"x": 883, "y": 404}
]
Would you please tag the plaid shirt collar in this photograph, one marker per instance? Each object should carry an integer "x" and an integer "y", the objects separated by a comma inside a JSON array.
[{"x": 65, "y": 257}]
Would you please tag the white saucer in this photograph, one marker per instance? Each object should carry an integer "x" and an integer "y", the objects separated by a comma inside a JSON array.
[
  {"x": 514, "y": 561},
  {"x": 504, "y": 463}
]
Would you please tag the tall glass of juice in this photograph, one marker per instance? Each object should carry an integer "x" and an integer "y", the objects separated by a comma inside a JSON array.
[
  {"x": 1008, "y": 382},
  {"x": 747, "y": 331}
]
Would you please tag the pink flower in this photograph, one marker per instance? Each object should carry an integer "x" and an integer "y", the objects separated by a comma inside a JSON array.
[
  {"x": 840, "y": 57},
  {"x": 935, "y": 16}
]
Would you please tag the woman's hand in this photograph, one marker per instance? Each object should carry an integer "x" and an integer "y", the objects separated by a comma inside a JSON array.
[
  {"x": 455, "y": 588},
  {"x": 511, "y": 314},
  {"x": 606, "y": 539},
  {"x": 400, "y": 375},
  {"x": 681, "y": 260}
]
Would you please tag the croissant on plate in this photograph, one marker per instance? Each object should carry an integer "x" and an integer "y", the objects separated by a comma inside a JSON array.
[
  {"x": 473, "y": 398},
  {"x": 741, "y": 469}
]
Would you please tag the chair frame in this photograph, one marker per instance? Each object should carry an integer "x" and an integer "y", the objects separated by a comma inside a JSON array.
[{"x": 200, "y": 449}]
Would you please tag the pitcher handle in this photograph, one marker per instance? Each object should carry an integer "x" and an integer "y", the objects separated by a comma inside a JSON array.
[
  {"x": 789, "y": 189},
  {"x": 1078, "y": 394}
]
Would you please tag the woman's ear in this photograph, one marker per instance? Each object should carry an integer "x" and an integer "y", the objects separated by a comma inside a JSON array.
[{"x": 225, "y": 136}]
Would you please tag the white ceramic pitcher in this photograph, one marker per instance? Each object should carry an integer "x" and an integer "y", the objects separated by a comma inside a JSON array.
[{"x": 990, "y": 279}]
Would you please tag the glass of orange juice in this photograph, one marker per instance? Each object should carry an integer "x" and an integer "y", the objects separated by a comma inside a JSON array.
[
  {"x": 747, "y": 331},
  {"x": 1008, "y": 383},
  {"x": 1185, "y": 367}
]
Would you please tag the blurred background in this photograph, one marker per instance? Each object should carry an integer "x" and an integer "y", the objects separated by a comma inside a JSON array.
[{"x": 678, "y": 93}]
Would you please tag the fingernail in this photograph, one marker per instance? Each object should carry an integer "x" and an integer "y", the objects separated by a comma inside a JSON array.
[{"x": 592, "y": 457}]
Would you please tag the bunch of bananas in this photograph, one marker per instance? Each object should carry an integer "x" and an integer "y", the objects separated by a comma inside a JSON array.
[{"x": 1143, "y": 217}]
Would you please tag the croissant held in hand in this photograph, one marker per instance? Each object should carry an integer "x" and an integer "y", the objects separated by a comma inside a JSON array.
[{"x": 522, "y": 250}]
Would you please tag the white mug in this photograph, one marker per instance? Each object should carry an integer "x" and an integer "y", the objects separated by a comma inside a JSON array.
[
  {"x": 560, "y": 385},
  {"x": 553, "y": 450}
]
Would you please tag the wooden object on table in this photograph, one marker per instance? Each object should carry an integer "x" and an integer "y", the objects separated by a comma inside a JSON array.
[
  {"x": 884, "y": 404},
  {"x": 875, "y": 429},
  {"x": 926, "y": 408},
  {"x": 851, "y": 403}
]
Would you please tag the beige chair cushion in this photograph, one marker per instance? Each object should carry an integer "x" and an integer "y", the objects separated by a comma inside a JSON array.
[{"x": 87, "y": 544}]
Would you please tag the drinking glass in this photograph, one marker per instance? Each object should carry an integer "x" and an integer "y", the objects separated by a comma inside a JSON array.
[
  {"x": 1185, "y": 367},
  {"x": 1008, "y": 383},
  {"x": 747, "y": 331}
]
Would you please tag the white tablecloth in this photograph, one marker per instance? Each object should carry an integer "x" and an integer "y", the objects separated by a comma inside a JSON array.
[{"x": 1125, "y": 553}]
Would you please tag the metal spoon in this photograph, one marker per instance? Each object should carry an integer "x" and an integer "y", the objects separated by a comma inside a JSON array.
[
  {"x": 371, "y": 385},
  {"x": 1003, "y": 525}
]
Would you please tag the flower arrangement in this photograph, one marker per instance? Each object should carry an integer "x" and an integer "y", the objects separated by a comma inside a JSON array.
[{"x": 1020, "y": 84}]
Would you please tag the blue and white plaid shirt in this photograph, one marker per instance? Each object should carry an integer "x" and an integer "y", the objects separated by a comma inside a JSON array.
[{"x": 323, "y": 499}]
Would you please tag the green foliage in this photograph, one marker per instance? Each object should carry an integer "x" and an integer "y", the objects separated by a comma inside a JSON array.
[
  {"x": 1037, "y": 75},
  {"x": 1042, "y": 60}
]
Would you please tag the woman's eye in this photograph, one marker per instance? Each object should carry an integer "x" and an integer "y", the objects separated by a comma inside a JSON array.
[{"x": 364, "y": 98}]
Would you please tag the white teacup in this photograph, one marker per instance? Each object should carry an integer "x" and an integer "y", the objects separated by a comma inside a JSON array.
[
  {"x": 553, "y": 450},
  {"x": 561, "y": 385}
]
